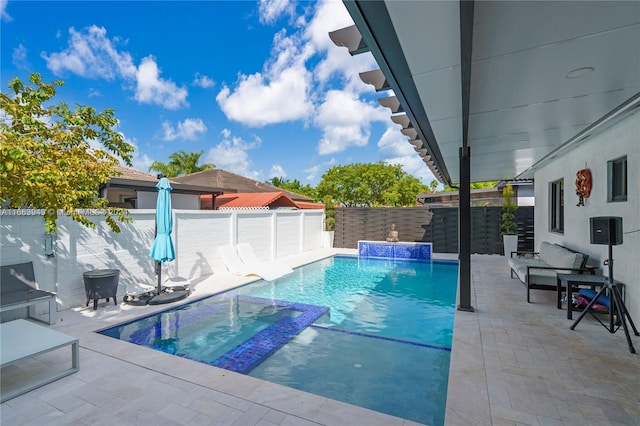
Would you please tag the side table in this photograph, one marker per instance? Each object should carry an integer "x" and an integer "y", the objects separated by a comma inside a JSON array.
[
  {"x": 101, "y": 284},
  {"x": 570, "y": 280}
]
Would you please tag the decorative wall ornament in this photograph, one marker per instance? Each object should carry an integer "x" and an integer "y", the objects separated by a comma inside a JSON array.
[{"x": 583, "y": 185}]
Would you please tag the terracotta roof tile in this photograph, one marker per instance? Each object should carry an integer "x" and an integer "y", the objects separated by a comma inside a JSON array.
[
  {"x": 307, "y": 205},
  {"x": 132, "y": 174},
  {"x": 254, "y": 199}
]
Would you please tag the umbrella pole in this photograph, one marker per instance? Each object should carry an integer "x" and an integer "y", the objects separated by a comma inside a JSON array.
[{"x": 159, "y": 274}]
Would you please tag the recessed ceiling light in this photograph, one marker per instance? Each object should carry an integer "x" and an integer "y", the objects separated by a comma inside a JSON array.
[{"x": 579, "y": 72}]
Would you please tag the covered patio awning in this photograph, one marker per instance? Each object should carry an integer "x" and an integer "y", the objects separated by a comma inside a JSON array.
[{"x": 540, "y": 75}]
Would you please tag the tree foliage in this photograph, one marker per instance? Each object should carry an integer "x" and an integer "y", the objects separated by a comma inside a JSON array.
[
  {"x": 508, "y": 223},
  {"x": 293, "y": 186},
  {"x": 55, "y": 158},
  {"x": 329, "y": 214},
  {"x": 369, "y": 185},
  {"x": 474, "y": 185},
  {"x": 182, "y": 163}
]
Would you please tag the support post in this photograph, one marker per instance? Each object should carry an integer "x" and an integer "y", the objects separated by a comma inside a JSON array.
[
  {"x": 464, "y": 230},
  {"x": 464, "y": 205}
]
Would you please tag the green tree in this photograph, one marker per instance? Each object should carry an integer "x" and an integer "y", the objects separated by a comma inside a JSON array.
[
  {"x": 55, "y": 158},
  {"x": 369, "y": 185},
  {"x": 433, "y": 185},
  {"x": 474, "y": 185},
  {"x": 182, "y": 163},
  {"x": 293, "y": 186},
  {"x": 508, "y": 223},
  {"x": 329, "y": 214}
]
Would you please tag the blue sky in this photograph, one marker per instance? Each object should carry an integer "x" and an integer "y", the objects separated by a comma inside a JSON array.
[{"x": 257, "y": 85}]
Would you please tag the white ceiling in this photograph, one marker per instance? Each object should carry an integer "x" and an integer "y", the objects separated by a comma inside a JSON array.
[{"x": 522, "y": 106}]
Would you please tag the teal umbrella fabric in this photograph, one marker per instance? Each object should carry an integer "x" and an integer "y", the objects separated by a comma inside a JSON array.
[{"x": 162, "y": 248}]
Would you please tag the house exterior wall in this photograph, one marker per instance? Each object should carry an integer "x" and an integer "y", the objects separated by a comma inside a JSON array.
[
  {"x": 148, "y": 200},
  {"x": 621, "y": 139},
  {"x": 196, "y": 236}
]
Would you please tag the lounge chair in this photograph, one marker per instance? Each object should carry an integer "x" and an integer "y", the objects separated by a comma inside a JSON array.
[
  {"x": 245, "y": 251},
  {"x": 266, "y": 270}
]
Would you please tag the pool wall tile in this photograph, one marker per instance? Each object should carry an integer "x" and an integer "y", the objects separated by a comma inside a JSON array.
[{"x": 398, "y": 250}]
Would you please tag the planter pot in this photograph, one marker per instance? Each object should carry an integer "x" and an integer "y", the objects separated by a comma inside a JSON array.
[
  {"x": 510, "y": 244},
  {"x": 327, "y": 239}
]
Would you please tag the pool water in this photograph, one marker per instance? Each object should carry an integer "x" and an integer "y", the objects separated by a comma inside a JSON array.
[{"x": 383, "y": 343}]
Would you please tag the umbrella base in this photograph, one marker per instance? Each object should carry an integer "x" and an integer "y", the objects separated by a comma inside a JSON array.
[
  {"x": 168, "y": 297},
  {"x": 140, "y": 301}
]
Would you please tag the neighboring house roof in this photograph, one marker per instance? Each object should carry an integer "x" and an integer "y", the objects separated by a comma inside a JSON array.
[
  {"x": 137, "y": 180},
  {"x": 271, "y": 200},
  {"x": 131, "y": 174},
  {"x": 224, "y": 179},
  {"x": 307, "y": 205}
]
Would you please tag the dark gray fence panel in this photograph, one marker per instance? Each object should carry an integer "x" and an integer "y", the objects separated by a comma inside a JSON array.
[{"x": 438, "y": 226}]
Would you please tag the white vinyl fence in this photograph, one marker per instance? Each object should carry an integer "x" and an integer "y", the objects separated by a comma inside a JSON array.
[{"x": 196, "y": 236}]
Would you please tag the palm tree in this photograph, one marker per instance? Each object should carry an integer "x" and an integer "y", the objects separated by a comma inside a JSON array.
[
  {"x": 433, "y": 185},
  {"x": 182, "y": 163}
]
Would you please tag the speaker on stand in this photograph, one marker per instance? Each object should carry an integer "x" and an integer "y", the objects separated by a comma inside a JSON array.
[{"x": 607, "y": 230}]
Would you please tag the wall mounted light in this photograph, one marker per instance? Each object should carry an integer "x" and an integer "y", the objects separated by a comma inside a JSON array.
[{"x": 49, "y": 244}]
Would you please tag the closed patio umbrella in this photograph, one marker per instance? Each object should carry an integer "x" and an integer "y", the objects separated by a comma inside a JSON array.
[{"x": 162, "y": 249}]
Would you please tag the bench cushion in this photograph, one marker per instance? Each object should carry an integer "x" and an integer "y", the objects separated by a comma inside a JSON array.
[
  {"x": 560, "y": 257},
  {"x": 538, "y": 276}
]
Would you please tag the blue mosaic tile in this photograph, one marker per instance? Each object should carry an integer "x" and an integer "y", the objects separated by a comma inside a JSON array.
[
  {"x": 244, "y": 357},
  {"x": 187, "y": 316},
  {"x": 381, "y": 249}
]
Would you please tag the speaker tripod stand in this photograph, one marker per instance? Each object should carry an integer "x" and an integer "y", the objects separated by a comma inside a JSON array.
[{"x": 616, "y": 307}]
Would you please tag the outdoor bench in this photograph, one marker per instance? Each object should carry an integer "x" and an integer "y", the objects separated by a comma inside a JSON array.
[
  {"x": 538, "y": 270},
  {"x": 18, "y": 289}
]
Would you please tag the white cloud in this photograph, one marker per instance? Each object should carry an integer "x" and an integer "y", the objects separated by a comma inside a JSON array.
[
  {"x": 203, "y": 81},
  {"x": 312, "y": 172},
  {"x": 271, "y": 10},
  {"x": 139, "y": 162},
  {"x": 345, "y": 121},
  {"x": 330, "y": 16},
  {"x": 395, "y": 148},
  {"x": 3, "y": 11},
  {"x": 188, "y": 129},
  {"x": 257, "y": 102},
  {"x": 19, "y": 57},
  {"x": 91, "y": 54},
  {"x": 277, "y": 95},
  {"x": 277, "y": 171},
  {"x": 154, "y": 90},
  {"x": 232, "y": 154},
  {"x": 94, "y": 93}
]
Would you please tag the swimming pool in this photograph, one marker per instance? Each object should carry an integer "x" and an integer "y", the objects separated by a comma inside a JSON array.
[{"x": 370, "y": 332}]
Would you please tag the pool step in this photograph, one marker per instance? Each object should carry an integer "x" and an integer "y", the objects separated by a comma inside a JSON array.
[{"x": 246, "y": 356}]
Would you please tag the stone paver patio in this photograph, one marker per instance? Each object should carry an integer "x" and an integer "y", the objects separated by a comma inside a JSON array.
[{"x": 512, "y": 363}]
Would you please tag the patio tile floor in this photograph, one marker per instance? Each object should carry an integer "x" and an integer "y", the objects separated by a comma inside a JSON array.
[{"x": 512, "y": 363}]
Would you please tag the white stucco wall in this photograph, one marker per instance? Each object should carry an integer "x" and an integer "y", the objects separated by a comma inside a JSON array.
[
  {"x": 196, "y": 236},
  {"x": 621, "y": 139}
]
